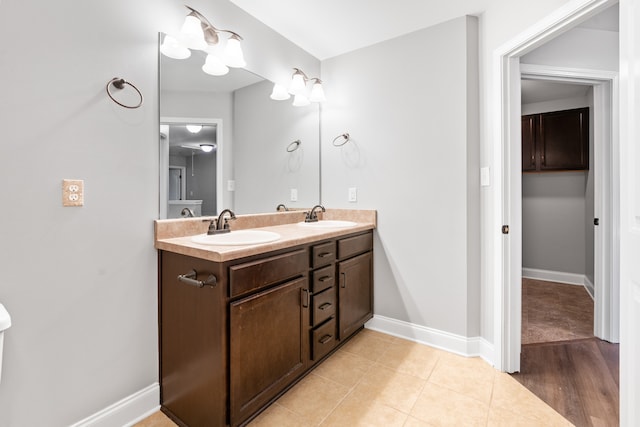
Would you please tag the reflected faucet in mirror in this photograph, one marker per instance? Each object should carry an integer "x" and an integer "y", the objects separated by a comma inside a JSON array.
[{"x": 281, "y": 208}]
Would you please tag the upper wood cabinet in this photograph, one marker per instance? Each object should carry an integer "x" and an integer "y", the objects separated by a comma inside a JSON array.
[{"x": 556, "y": 141}]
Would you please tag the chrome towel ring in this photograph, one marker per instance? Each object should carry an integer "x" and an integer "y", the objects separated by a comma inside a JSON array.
[
  {"x": 344, "y": 136},
  {"x": 119, "y": 83},
  {"x": 294, "y": 146}
]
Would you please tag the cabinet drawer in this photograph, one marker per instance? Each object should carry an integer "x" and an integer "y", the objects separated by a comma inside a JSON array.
[
  {"x": 323, "y": 278},
  {"x": 244, "y": 278},
  {"x": 323, "y": 339},
  {"x": 355, "y": 245},
  {"x": 324, "y": 306},
  {"x": 323, "y": 254}
]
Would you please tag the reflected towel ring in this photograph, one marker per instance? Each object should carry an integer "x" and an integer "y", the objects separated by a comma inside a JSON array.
[
  {"x": 293, "y": 146},
  {"x": 119, "y": 83},
  {"x": 346, "y": 138}
]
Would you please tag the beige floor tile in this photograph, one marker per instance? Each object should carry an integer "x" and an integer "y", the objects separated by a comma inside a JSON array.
[
  {"x": 353, "y": 411},
  {"x": 510, "y": 395},
  {"x": 278, "y": 416},
  {"x": 313, "y": 398},
  {"x": 369, "y": 344},
  {"x": 503, "y": 418},
  {"x": 440, "y": 406},
  {"x": 390, "y": 388},
  {"x": 411, "y": 358},
  {"x": 414, "y": 422},
  {"x": 157, "y": 419},
  {"x": 344, "y": 368},
  {"x": 472, "y": 377}
]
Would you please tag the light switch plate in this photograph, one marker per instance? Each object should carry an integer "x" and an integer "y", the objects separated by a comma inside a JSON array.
[
  {"x": 72, "y": 192},
  {"x": 294, "y": 195},
  {"x": 353, "y": 194}
]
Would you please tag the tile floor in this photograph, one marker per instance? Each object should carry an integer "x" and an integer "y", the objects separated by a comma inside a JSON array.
[
  {"x": 555, "y": 312},
  {"x": 379, "y": 380}
]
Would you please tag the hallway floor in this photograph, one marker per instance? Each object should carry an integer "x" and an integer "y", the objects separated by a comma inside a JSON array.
[
  {"x": 561, "y": 361},
  {"x": 380, "y": 380}
]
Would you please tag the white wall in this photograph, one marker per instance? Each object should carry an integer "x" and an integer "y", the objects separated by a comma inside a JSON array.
[
  {"x": 264, "y": 171},
  {"x": 81, "y": 283},
  {"x": 408, "y": 106}
]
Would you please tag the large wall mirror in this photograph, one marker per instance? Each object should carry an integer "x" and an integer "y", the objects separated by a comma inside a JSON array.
[{"x": 225, "y": 144}]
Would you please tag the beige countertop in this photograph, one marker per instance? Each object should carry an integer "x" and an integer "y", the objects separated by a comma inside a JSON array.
[{"x": 174, "y": 235}]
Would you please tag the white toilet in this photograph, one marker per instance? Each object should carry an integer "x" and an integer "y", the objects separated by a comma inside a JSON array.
[{"x": 5, "y": 322}]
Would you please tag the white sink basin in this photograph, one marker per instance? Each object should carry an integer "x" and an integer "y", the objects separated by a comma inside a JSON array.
[
  {"x": 328, "y": 223},
  {"x": 237, "y": 238}
]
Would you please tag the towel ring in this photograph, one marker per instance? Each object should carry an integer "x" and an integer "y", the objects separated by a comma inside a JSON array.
[
  {"x": 346, "y": 138},
  {"x": 119, "y": 83},
  {"x": 293, "y": 146}
]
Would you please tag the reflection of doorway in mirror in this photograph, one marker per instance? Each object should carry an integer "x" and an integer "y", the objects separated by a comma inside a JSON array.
[{"x": 189, "y": 161}]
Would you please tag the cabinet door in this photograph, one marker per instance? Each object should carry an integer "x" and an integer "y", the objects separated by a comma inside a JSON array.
[
  {"x": 269, "y": 345},
  {"x": 355, "y": 293},
  {"x": 564, "y": 140},
  {"x": 528, "y": 142}
]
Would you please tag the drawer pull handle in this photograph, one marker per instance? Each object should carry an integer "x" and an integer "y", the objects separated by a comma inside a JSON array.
[
  {"x": 344, "y": 280},
  {"x": 325, "y": 254},
  {"x": 325, "y": 339},
  {"x": 190, "y": 279},
  {"x": 325, "y": 278},
  {"x": 325, "y": 306},
  {"x": 305, "y": 297}
]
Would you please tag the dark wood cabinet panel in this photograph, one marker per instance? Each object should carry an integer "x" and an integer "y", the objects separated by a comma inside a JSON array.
[
  {"x": 268, "y": 345},
  {"x": 556, "y": 141},
  {"x": 193, "y": 337},
  {"x": 355, "y": 293}
]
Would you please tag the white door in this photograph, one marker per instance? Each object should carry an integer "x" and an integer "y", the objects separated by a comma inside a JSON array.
[{"x": 629, "y": 213}]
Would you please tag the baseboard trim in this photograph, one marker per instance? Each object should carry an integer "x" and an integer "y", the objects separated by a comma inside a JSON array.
[
  {"x": 588, "y": 285},
  {"x": 554, "y": 276},
  {"x": 469, "y": 347},
  {"x": 127, "y": 411}
]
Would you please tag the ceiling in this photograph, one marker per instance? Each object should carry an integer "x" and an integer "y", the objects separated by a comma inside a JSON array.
[{"x": 333, "y": 27}]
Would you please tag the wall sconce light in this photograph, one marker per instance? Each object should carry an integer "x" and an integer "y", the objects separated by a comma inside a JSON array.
[
  {"x": 197, "y": 33},
  {"x": 194, "y": 128},
  {"x": 207, "y": 148},
  {"x": 298, "y": 88}
]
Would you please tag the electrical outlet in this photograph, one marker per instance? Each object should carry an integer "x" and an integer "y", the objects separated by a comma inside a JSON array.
[
  {"x": 353, "y": 194},
  {"x": 72, "y": 192},
  {"x": 294, "y": 195}
]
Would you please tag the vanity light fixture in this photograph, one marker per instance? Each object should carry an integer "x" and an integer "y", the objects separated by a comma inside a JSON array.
[
  {"x": 197, "y": 33},
  {"x": 194, "y": 128},
  {"x": 207, "y": 148},
  {"x": 298, "y": 88}
]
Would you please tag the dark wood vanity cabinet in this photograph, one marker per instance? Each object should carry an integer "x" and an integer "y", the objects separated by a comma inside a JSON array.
[
  {"x": 227, "y": 351},
  {"x": 556, "y": 141}
]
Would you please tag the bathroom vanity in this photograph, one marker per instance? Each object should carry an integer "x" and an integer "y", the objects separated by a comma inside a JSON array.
[{"x": 239, "y": 325}]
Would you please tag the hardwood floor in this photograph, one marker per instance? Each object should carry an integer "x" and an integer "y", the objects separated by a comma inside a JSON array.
[{"x": 578, "y": 377}]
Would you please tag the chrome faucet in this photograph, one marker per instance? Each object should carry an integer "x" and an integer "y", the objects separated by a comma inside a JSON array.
[
  {"x": 281, "y": 205},
  {"x": 312, "y": 216},
  {"x": 218, "y": 226}
]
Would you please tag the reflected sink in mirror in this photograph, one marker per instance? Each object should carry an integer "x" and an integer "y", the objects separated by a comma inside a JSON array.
[
  {"x": 237, "y": 238},
  {"x": 328, "y": 223}
]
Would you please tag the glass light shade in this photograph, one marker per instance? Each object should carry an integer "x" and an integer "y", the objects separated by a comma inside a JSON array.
[
  {"x": 279, "y": 93},
  {"x": 172, "y": 48},
  {"x": 207, "y": 148},
  {"x": 298, "y": 85},
  {"x": 214, "y": 66},
  {"x": 194, "y": 128},
  {"x": 317, "y": 93},
  {"x": 300, "y": 101},
  {"x": 191, "y": 34},
  {"x": 233, "y": 53}
]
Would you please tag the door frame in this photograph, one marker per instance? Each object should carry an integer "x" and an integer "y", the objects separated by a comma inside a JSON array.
[
  {"x": 506, "y": 158},
  {"x": 606, "y": 194}
]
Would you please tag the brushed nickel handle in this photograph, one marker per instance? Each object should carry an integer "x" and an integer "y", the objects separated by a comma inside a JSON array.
[
  {"x": 305, "y": 297},
  {"x": 190, "y": 279},
  {"x": 325, "y": 254},
  {"x": 325, "y": 306},
  {"x": 344, "y": 280},
  {"x": 325, "y": 278}
]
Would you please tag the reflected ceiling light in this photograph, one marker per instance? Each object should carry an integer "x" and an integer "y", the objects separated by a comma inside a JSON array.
[
  {"x": 214, "y": 66},
  {"x": 194, "y": 128},
  {"x": 298, "y": 88},
  {"x": 207, "y": 148},
  {"x": 279, "y": 93},
  {"x": 172, "y": 48},
  {"x": 197, "y": 33}
]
